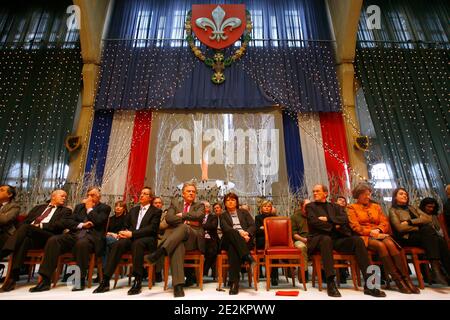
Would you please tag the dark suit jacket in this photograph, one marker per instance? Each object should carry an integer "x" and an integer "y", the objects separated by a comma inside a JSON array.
[
  {"x": 196, "y": 213},
  {"x": 211, "y": 226},
  {"x": 98, "y": 216},
  {"x": 149, "y": 224},
  {"x": 8, "y": 215},
  {"x": 56, "y": 223},
  {"x": 336, "y": 216},
  {"x": 260, "y": 234},
  {"x": 245, "y": 219}
]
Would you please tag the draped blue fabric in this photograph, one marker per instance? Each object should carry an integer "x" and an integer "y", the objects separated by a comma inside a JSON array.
[
  {"x": 98, "y": 147},
  {"x": 147, "y": 63},
  {"x": 294, "y": 159}
]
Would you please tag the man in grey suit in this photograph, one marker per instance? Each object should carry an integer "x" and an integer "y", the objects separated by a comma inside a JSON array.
[
  {"x": 185, "y": 232},
  {"x": 9, "y": 210}
]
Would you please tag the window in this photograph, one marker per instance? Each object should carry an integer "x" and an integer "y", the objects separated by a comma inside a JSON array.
[
  {"x": 257, "y": 31},
  {"x": 18, "y": 175},
  {"x": 55, "y": 176},
  {"x": 293, "y": 28},
  {"x": 273, "y": 31},
  {"x": 380, "y": 176},
  {"x": 141, "y": 29},
  {"x": 178, "y": 28}
]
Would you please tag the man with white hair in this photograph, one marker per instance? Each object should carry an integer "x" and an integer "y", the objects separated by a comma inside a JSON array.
[
  {"x": 87, "y": 227},
  {"x": 185, "y": 232},
  {"x": 41, "y": 223}
]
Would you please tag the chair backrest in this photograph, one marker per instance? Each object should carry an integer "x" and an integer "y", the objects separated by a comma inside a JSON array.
[{"x": 278, "y": 232}]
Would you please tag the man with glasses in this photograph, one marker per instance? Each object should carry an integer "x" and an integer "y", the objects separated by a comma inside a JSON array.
[
  {"x": 140, "y": 235},
  {"x": 87, "y": 227}
]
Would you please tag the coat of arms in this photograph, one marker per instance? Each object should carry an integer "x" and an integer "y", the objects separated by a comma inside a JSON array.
[{"x": 218, "y": 27}]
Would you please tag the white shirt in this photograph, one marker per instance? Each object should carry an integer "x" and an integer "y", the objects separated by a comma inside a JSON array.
[
  {"x": 141, "y": 215},
  {"x": 49, "y": 217}
]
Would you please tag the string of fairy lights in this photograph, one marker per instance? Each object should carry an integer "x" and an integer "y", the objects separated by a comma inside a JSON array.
[
  {"x": 408, "y": 96},
  {"x": 39, "y": 91}
]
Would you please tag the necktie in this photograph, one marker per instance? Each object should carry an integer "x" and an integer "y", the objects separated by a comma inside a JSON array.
[
  {"x": 44, "y": 215},
  {"x": 186, "y": 208}
]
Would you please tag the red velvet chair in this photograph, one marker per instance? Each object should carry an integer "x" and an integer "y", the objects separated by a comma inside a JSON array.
[{"x": 279, "y": 246}]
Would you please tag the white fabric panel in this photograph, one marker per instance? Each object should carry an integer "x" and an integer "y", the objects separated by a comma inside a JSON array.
[
  {"x": 116, "y": 166},
  {"x": 312, "y": 150}
]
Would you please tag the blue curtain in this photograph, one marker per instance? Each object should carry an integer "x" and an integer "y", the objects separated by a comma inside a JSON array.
[
  {"x": 294, "y": 159},
  {"x": 98, "y": 147},
  {"x": 147, "y": 63}
]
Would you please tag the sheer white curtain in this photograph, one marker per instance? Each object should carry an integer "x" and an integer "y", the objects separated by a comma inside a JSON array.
[
  {"x": 241, "y": 148},
  {"x": 116, "y": 166},
  {"x": 312, "y": 150}
]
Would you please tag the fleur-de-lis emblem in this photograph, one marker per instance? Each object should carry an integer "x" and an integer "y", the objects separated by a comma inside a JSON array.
[{"x": 218, "y": 26}]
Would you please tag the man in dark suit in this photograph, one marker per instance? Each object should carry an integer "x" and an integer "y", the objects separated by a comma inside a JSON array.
[
  {"x": 210, "y": 223},
  {"x": 87, "y": 227},
  {"x": 9, "y": 210},
  {"x": 238, "y": 228},
  {"x": 329, "y": 230},
  {"x": 185, "y": 232},
  {"x": 141, "y": 234},
  {"x": 42, "y": 222}
]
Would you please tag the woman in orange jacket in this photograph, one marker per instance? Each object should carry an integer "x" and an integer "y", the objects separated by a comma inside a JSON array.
[{"x": 368, "y": 220}]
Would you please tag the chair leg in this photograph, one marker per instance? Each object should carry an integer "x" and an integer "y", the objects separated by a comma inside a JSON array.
[
  {"x": 150, "y": 270},
  {"x": 256, "y": 275},
  {"x": 116, "y": 276},
  {"x": 91, "y": 270},
  {"x": 268, "y": 270},
  {"x": 58, "y": 272},
  {"x": 219, "y": 267},
  {"x": 302, "y": 270},
  {"x": 418, "y": 272},
  {"x": 319, "y": 274},
  {"x": 201, "y": 269},
  {"x": 355, "y": 274},
  {"x": 166, "y": 272}
]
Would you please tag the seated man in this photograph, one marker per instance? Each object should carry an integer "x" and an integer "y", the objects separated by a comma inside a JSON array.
[
  {"x": 329, "y": 230},
  {"x": 42, "y": 222},
  {"x": 140, "y": 234},
  {"x": 87, "y": 227},
  {"x": 185, "y": 232},
  {"x": 9, "y": 210}
]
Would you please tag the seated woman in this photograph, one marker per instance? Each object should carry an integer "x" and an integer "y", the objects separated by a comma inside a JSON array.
[
  {"x": 368, "y": 220},
  {"x": 431, "y": 207},
  {"x": 265, "y": 210},
  {"x": 238, "y": 228},
  {"x": 116, "y": 223},
  {"x": 413, "y": 227}
]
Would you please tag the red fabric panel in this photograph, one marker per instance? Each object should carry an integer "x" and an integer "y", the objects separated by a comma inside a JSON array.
[
  {"x": 137, "y": 163},
  {"x": 333, "y": 137}
]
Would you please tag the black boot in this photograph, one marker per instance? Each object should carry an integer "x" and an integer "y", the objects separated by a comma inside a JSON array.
[
  {"x": 9, "y": 285},
  {"x": 393, "y": 273},
  {"x": 234, "y": 289},
  {"x": 404, "y": 274},
  {"x": 332, "y": 289},
  {"x": 104, "y": 285},
  {"x": 136, "y": 287},
  {"x": 436, "y": 273},
  {"x": 158, "y": 277}
]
